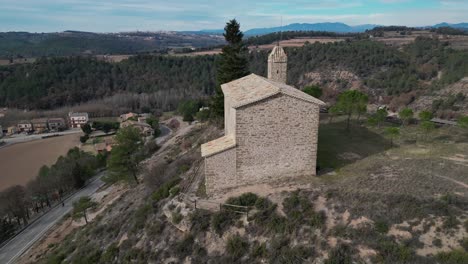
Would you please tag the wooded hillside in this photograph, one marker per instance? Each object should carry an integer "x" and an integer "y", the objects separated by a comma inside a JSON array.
[{"x": 49, "y": 83}]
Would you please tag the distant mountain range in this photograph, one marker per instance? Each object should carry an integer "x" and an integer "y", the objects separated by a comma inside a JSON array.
[
  {"x": 458, "y": 25},
  {"x": 336, "y": 27}
]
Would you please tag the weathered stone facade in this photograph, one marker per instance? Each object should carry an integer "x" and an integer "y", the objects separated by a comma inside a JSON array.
[{"x": 271, "y": 134}]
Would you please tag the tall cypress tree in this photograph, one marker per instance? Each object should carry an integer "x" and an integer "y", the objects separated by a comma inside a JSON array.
[{"x": 233, "y": 63}]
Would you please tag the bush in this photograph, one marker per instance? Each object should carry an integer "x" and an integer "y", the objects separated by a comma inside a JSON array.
[
  {"x": 341, "y": 254},
  {"x": 110, "y": 254},
  {"x": 246, "y": 199},
  {"x": 155, "y": 228},
  {"x": 451, "y": 222},
  {"x": 282, "y": 252},
  {"x": 164, "y": 191},
  {"x": 392, "y": 252},
  {"x": 437, "y": 242},
  {"x": 237, "y": 246},
  {"x": 381, "y": 226},
  {"x": 464, "y": 243},
  {"x": 300, "y": 211},
  {"x": 200, "y": 220},
  {"x": 140, "y": 216},
  {"x": 457, "y": 256},
  {"x": 84, "y": 138},
  {"x": 220, "y": 221},
  {"x": 184, "y": 247},
  {"x": 177, "y": 217},
  {"x": 259, "y": 250}
]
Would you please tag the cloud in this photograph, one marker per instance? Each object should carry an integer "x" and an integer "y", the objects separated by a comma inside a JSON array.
[{"x": 119, "y": 15}]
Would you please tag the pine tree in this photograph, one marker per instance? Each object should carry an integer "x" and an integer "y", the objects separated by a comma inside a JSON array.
[{"x": 233, "y": 63}]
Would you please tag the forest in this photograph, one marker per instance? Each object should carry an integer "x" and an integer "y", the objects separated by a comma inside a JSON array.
[
  {"x": 56, "y": 82},
  {"x": 72, "y": 43}
]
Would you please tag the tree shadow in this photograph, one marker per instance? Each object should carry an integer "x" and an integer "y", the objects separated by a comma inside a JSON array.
[{"x": 338, "y": 147}]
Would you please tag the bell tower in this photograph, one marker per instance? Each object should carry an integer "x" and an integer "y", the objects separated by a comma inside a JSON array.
[{"x": 277, "y": 65}]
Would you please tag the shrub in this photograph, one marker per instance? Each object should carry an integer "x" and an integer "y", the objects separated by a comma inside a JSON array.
[
  {"x": 464, "y": 243},
  {"x": 457, "y": 256},
  {"x": 174, "y": 191},
  {"x": 220, "y": 221},
  {"x": 177, "y": 217},
  {"x": 246, "y": 199},
  {"x": 300, "y": 211},
  {"x": 155, "y": 228},
  {"x": 200, "y": 220},
  {"x": 110, "y": 254},
  {"x": 381, "y": 226},
  {"x": 392, "y": 252},
  {"x": 237, "y": 246},
  {"x": 259, "y": 250},
  {"x": 184, "y": 247},
  {"x": 282, "y": 252},
  {"x": 163, "y": 191},
  {"x": 56, "y": 258},
  {"x": 140, "y": 216},
  {"x": 437, "y": 242},
  {"x": 84, "y": 138},
  {"x": 451, "y": 222},
  {"x": 341, "y": 254}
]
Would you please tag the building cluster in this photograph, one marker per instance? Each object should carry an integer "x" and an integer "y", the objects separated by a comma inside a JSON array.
[
  {"x": 138, "y": 121},
  {"x": 51, "y": 124}
]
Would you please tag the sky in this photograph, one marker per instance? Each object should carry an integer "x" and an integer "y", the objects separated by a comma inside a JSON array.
[{"x": 155, "y": 15}]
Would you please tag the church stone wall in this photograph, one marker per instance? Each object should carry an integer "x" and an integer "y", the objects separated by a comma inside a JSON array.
[
  {"x": 276, "y": 139},
  {"x": 220, "y": 171}
]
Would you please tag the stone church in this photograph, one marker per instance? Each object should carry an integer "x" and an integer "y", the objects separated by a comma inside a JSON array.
[{"x": 271, "y": 131}]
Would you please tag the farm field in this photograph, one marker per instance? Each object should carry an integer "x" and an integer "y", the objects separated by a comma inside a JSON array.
[{"x": 20, "y": 162}]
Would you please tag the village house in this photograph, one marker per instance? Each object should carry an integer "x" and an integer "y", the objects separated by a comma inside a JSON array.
[
  {"x": 145, "y": 129},
  {"x": 125, "y": 117},
  {"x": 40, "y": 125},
  {"x": 271, "y": 131},
  {"x": 56, "y": 124},
  {"x": 11, "y": 130},
  {"x": 77, "y": 119},
  {"x": 25, "y": 126}
]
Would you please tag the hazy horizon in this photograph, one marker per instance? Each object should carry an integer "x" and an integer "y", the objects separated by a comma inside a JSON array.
[{"x": 183, "y": 15}]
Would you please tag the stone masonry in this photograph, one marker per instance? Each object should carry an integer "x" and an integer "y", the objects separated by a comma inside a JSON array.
[{"x": 271, "y": 132}]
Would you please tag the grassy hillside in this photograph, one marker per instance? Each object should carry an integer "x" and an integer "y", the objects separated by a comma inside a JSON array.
[{"x": 405, "y": 204}]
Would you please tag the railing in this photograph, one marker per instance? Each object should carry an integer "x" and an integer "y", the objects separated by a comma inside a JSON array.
[
  {"x": 198, "y": 204},
  {"x": 191, "y": 178}
]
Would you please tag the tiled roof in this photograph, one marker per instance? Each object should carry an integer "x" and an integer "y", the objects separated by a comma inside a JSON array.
[
  {"x": 76, "y": 114},
  {"x": 218, "y": 145},
  {"x": 39, "y": 120},
  {"x": 253, "y": 88}
]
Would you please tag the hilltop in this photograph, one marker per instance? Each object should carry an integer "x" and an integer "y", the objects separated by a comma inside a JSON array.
[{"x": 363, "y": 207}]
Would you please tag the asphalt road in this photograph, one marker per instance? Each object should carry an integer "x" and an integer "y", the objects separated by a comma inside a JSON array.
[
  {"x": 23, "y": 241},
  {"x": 24, "y": 138}
]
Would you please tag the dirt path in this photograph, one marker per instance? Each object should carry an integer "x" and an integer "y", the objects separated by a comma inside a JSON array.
[
  {"x": 454, "y": 181},
  {"x": 20, "y": 162}
]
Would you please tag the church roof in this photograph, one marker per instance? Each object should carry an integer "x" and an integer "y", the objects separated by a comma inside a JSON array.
[
  {"x": 218, "y": 145},
  {"x": 253, "y": 88}
]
